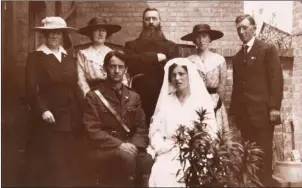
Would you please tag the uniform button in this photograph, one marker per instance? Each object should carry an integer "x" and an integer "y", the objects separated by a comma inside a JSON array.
[{"x": 122, "y": 106}]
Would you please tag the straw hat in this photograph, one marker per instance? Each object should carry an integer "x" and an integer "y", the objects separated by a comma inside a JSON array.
[
  {"x": 51, "y": 23},
  {"x": 99, "y": 22},
  {"x": 202, "y": 28}
]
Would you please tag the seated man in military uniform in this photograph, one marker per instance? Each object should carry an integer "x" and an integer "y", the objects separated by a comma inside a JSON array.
[{"x": 118, "y": 134}]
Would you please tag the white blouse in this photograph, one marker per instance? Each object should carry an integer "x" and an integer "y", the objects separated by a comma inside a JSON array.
[{"x": 90, "y": 66}]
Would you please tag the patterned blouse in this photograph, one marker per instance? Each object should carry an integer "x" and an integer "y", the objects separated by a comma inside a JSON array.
[
  {"x": 213, "y": 69},
  {"x": 90, "y": 66}
]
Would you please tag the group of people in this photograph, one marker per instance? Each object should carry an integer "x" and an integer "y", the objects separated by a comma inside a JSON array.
[{"x": 126, "y": 105}]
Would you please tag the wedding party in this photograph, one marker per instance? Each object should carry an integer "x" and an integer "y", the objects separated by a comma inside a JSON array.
[{"x": 151, "y": 94}]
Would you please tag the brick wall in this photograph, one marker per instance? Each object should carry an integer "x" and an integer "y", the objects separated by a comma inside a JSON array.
[
  {"x": 178, "y": 18},
  {"x": 297, "y": 72}
]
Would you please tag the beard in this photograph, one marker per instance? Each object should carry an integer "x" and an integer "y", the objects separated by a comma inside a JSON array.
[{"x": 152, "y": 32}]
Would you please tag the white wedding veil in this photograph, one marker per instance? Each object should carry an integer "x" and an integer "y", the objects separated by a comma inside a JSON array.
[{"x": 198, "y": 92}]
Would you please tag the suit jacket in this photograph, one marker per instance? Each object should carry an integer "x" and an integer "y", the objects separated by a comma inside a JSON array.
[
  {"x": 104, "y": 131},
  {"x": 51, "y": 85},
  {"x": 142, "y": 59},
  {"x": 257, "y": 77}
]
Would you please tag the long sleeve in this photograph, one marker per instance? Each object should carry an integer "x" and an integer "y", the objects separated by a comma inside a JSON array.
[
  {"x": 140, "y": 138},
  {"x": 233, "y": 104},
  {"x": 31, "y": 85},
  {"x": 93, "y": 124},
  {"x": 139, "y": 63},
  {"x": 275, "y": 78},
  {"x": 82, "y": 81},
  {"x": 157, "y": 141},
  {"x": 222, "y": 80},
  {"x": 209, "y": 116}
]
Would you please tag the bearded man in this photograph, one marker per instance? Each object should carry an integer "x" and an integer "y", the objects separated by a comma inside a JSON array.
[{"x": 146, "y": 57}]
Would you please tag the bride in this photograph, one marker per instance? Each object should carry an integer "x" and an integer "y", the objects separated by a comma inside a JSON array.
[{"x": 182, "y": 94}]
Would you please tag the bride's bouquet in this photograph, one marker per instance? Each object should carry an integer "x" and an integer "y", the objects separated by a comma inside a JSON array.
[{"x": 218, "y": 162}]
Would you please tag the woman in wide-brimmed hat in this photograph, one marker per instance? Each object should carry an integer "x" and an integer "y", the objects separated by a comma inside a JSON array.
[
  {"x": 51, "y": 85},
  {"x": 90, "y": 60},
  {"x": 212, "y": 68}
]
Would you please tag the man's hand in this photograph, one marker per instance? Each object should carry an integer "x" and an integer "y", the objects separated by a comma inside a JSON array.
[
  {"x": 48, "y": 117},
  {"x": 161, "y": 57},
  {"x": 274, "y": 115},
  {"x": 128, "y": 147}
]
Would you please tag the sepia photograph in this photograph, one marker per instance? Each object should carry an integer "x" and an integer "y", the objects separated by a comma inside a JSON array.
[{"x": 151, "y": 93}]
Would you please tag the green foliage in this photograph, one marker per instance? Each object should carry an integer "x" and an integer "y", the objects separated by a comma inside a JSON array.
[{"x": 219, "y": 162}]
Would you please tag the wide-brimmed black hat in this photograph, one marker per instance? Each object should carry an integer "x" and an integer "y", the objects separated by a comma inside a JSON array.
[
  {"x": 202, "y": 28},
  {"x": 99, "y": 22}
]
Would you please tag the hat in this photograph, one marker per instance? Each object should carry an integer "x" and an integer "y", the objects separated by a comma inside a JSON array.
[
  {"x": 51, "y": 23},
  {"x": 202, "y": 28},
  {"x": 98, "y": 22}
]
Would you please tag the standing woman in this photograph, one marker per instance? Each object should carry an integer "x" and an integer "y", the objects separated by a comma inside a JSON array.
[
  {"x": 51, "y": 85},
  {"x": 212, "y": 68},
  {"x": 90, "y": 60}
]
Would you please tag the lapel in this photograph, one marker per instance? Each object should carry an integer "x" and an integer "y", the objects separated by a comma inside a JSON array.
[
  {"x": 111, "y": 96},
  {"x": 239, "y": 58},
  {"x": 256, "y": 45},
  {"x": 125, "y": 95},
  {"x": 251, "y": 56},
  {"x": 64, "y": 58}
]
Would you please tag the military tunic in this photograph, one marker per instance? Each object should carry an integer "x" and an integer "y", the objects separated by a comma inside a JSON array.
[{"x": 105, "y": 134}]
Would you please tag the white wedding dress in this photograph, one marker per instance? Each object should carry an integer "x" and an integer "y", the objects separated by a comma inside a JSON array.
[{"x": 169, "y": 114}]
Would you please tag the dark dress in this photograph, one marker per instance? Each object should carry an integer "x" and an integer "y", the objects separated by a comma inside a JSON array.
[{"x": 51, "y": 148}]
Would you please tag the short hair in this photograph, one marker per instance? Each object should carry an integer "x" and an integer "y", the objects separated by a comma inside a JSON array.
[
  {"x": 117, "y": 53},
  {"x": 245, "y": 16},
  {"x": 172, "y": 67},
  {"x": 150, "y": 9}
]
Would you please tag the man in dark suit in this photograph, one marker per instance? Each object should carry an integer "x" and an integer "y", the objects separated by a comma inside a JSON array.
[
  {"x": 257, "y": 91},
  {"x": 146, "y": 58},
  {"x": 122, "y": 156}
]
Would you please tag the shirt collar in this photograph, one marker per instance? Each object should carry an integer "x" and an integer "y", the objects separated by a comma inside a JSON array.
[
  {"x": 110, "y": 85},
  {"x": 251, "y": 42},
  {"x": 47, "y": 51}
]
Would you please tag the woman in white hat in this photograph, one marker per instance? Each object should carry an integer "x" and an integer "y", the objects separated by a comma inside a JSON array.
[
  {"x": 51, "y": 84},
  {"x": 212, "y": 68},
  {"x": 90, "y": 60}
]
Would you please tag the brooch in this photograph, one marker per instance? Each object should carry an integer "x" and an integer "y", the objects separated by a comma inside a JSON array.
[{"x": 253, "y": 57}]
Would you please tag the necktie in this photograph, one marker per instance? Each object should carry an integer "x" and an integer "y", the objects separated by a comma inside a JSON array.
[
  {"x": 118, "y": 93},
  {"x": 245, "y": 47}
]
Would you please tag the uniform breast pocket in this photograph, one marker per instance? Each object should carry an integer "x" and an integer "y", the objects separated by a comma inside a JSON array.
[
  {"x": 130, "y": 116},
  {"x": 105, "y": 115}
]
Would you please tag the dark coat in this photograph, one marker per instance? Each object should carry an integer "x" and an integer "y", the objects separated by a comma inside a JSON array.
[
  {"x": 104, "y": 132},
  {"x": 257, "y": 77},
  {"x": 51, "y": 148},
  {"x": 143, "y": 59},
  {"x": 51, "y": 85},
  {"x": 257, "y": 88}
]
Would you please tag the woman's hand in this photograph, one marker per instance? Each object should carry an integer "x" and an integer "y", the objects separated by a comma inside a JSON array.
[{"x": 48, "y": 117}]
